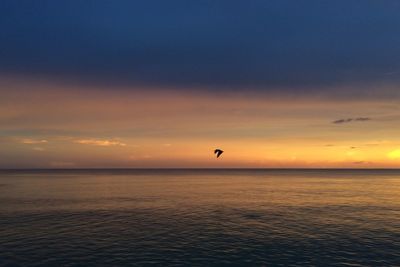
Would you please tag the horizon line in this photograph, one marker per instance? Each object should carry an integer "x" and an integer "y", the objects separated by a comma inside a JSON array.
[{"x": 186, "y": 168}]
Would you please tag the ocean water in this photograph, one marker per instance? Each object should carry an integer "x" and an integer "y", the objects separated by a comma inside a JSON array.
[{"x": 200, "y": 218}]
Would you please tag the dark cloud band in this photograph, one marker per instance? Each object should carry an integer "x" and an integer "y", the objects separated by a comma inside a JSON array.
[
  {"x": 340, "y": 121},
  {"x": 263, "y": 45}
]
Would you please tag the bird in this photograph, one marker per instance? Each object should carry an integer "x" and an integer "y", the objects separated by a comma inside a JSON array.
[{"x": 218, "y": 152}]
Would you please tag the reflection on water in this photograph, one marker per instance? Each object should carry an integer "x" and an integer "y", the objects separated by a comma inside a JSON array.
[{"x": 200, "y": 218}]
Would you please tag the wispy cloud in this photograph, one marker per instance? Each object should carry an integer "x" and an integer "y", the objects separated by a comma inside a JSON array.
[
  {"x": 340, "y": 121},
  {"x": 32, "y": 141},
  {"x": 361, "y": 162},
  {"x": 97, "y": 142},
  {"x": 392, "y": 72},
  {"x": 362, "y": 119}
]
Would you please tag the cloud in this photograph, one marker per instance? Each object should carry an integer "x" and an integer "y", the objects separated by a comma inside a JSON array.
[
  {"x": 340, "y": 121},
  {"x": 97, "y": 142},
  {"x": 32, "y": 141},
  {"x": 361, "y": 162},
  {"x": 372, "y": 144},
  {"x": 362, "y": 119}
]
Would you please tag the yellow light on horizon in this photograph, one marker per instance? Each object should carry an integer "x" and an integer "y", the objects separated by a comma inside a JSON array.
[{"x": 395, "y": 154}]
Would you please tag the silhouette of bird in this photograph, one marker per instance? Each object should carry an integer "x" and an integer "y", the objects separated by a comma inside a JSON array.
[{"x": 218, "y": 152}]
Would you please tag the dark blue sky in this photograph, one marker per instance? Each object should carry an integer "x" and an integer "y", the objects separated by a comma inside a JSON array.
[{"x": 224, "y": 45}]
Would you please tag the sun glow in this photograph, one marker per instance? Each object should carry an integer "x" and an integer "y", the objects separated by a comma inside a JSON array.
[{"x": 395, "y": 154}]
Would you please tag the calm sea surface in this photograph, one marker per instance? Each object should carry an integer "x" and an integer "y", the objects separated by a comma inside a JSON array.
[{"x": 200, "y": 218}]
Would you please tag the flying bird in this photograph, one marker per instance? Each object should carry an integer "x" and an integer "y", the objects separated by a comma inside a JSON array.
[{"x": 218, "y": 152}]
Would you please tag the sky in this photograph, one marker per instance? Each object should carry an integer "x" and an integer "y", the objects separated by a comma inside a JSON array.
[{"x": 161, "y": 84}]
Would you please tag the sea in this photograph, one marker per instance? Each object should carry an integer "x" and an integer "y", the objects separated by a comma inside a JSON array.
[{"x": 200, "y": 217}]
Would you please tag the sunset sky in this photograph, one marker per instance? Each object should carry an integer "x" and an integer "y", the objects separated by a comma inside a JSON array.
[{"x": 154, "y": 84}]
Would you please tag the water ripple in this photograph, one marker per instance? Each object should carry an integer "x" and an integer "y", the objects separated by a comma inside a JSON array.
[{"x": 180, "y": 221}]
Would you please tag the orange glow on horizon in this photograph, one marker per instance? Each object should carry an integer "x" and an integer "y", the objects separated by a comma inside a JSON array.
[{"x": 59, "y": 126}]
